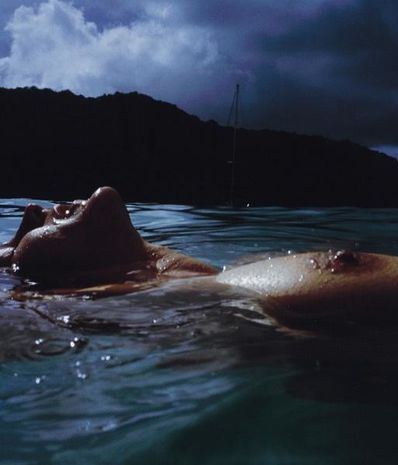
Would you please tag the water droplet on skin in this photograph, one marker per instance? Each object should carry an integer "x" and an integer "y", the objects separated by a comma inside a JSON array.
[
  {"x": 64, "y": 319},
  {"x": 15, "y": 268}
]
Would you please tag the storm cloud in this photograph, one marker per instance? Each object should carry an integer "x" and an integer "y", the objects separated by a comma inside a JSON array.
[
  {"x": 320, "y": 67},
  {"x": 54, "y": 46}
]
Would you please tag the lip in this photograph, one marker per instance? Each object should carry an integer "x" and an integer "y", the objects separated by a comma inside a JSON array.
[
  {"x": 60, "y": 211},
  {"x": 57, "y": 211},
  {"x": 64, "y": 212}
]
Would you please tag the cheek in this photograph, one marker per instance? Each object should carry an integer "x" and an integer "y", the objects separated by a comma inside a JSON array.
[
  {"x": 59, "y": 249},
  {"x": 44, "y": 250}
]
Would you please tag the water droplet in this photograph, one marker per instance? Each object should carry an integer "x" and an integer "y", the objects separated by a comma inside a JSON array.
[
  {"x": 64, "y": 319},
  {"x": 39, "y": 379},
  {"x": 77, "y": 343},
  {"x": 15, "y": 268},
  {"x": 109, "y": 426},
  {"x": 81, "y": 375}
]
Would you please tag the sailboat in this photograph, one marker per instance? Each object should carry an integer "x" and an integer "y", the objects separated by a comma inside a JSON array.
[{"x": 234, "y": 114}]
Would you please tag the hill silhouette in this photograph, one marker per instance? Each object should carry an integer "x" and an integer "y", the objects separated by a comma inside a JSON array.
[{"x": 61, "y": 146}]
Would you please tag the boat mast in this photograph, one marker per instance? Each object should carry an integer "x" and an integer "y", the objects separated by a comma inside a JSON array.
[{"x": 235, "y": 113}]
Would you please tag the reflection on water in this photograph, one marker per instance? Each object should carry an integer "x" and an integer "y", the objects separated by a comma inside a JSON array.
[{"x": 188, "y": 373}]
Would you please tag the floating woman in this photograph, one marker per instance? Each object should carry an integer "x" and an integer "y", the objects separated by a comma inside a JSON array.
[{"x": 92, "y": 247}]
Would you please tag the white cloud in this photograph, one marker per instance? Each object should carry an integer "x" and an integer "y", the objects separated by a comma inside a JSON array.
[{"x": 53, "y": 46}]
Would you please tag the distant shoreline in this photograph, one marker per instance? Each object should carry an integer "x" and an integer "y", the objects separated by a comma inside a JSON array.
[{"x": 62, "y": 146}]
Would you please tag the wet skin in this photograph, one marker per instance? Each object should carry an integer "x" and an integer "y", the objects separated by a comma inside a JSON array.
[
  {"x": 92, "y": 247},
  {"x": 89, "y": 242},
  {"x": 323, "y": 288}
]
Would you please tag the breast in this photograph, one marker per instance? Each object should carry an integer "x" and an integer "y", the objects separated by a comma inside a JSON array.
[{"x": 323, "y": 288}]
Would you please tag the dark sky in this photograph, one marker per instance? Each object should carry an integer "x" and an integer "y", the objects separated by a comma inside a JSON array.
[{"x": 312, "y": 66}]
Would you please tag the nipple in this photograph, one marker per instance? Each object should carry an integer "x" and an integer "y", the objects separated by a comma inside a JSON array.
[
  {"x": 334, "y": 261},
  {"x": 342, "y": 259},
  {"x": 346, "y": 257}
]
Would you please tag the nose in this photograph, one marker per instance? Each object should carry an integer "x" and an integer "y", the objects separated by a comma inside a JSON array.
[
  {"x": 105, "y": 199},
  {"x": 105, "y": 192}
]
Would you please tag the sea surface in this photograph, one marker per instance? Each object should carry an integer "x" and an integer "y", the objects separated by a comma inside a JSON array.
[{"x": 184, "y": 374}]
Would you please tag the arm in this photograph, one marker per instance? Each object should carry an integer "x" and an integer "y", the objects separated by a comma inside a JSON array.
[{"x": 172, "y": 264}]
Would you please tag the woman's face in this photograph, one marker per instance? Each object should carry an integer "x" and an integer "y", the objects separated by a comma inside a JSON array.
[{"x": 80, "y": 236}]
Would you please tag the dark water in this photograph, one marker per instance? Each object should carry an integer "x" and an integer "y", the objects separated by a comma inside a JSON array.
[{"x": 184, "y": 374}]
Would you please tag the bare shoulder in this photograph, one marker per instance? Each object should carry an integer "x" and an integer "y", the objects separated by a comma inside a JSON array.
[{"x": 170, "y": 263}]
